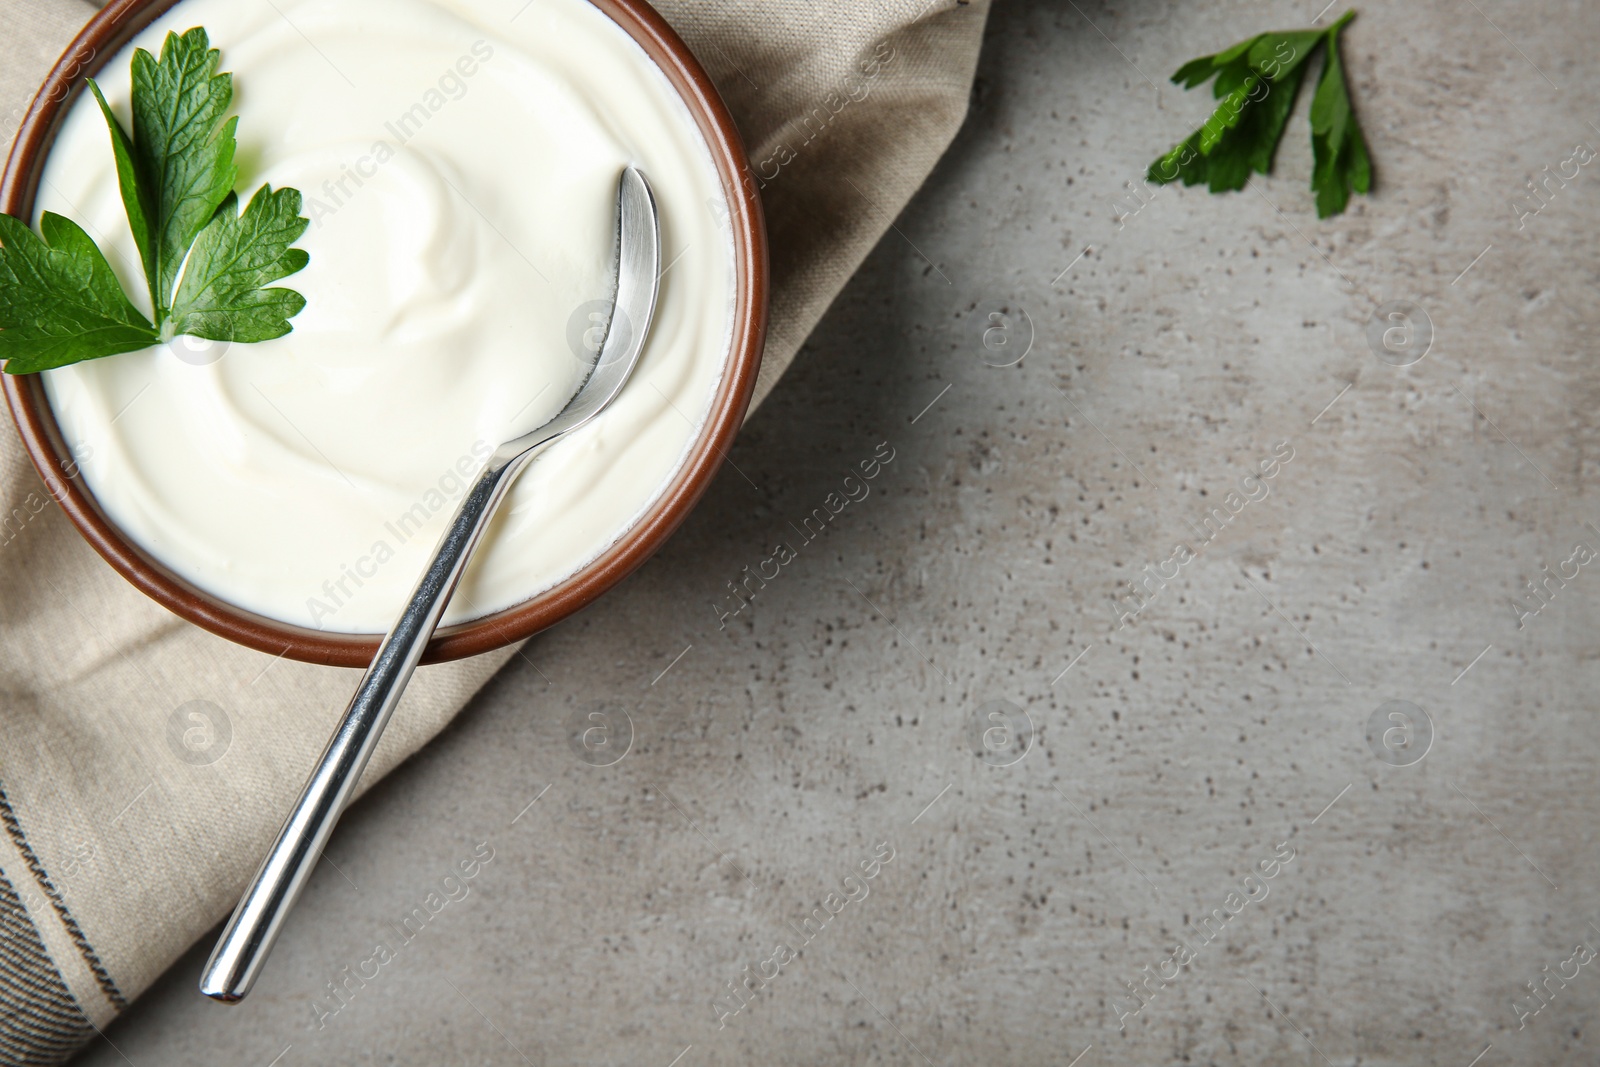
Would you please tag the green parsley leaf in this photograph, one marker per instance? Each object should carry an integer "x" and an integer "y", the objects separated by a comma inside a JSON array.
[
  {"x": 221, "y": 295},
  {"x": 1338, "y": 150},
  {"x": 178, "y": 165},
  {"x": 59, "y": 301},
  {"x": 1257, "y": 81},
  {"x": 1272, "y": 114},
  {"x": 206, "y": 265},
  {"x": 133, "y": 200}
]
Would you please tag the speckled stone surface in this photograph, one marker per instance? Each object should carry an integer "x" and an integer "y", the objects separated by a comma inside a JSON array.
[{"x": 1143, "y": 771}]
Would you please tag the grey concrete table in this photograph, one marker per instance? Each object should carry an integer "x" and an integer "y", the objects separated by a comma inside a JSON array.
[{"x": 1071, "y": 783}]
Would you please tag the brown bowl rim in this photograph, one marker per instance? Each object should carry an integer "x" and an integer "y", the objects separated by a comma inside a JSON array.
[{"x": 112, "y": 28}]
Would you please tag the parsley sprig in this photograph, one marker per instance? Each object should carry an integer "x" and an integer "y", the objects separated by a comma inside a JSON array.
[
  {"x": 206, "y": 264},
  {"x": 1257, "y": 81}
]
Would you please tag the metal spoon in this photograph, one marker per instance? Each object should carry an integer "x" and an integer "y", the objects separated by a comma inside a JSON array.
[{"x": 249, "y": 936}]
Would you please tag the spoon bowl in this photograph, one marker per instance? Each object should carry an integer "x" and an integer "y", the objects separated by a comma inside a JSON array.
[{"x": 638, "y": 283}]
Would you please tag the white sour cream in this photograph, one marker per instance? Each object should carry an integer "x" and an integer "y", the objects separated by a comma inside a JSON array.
[{"x": 459, "y": 160}]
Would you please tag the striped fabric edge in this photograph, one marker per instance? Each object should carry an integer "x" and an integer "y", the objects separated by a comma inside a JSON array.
[
  {"x": 8, "y": 816},
  {"x": 40, "y": 1021}
]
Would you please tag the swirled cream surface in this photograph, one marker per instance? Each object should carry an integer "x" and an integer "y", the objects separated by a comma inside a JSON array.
[{"x": 459, "y": 161}]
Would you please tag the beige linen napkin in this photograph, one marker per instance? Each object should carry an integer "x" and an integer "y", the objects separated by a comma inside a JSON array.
[{"x": 124, "y": 841}]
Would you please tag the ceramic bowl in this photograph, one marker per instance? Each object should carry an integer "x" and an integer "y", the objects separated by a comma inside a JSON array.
[{"x": 113, "y": 28}]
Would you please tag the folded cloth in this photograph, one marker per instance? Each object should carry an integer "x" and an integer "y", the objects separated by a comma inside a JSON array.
[{"x": 121, "y": 846}]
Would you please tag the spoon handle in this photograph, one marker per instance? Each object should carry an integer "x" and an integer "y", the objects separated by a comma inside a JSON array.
[{"x": 254, "y": 927}]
